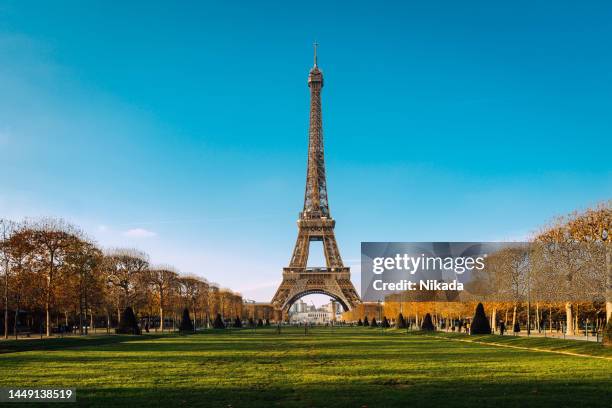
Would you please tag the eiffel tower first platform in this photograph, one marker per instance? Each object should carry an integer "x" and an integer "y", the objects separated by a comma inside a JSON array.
[{"x": 315, "y": 224}]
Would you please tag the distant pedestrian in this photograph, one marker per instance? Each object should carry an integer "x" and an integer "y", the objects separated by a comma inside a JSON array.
[{"x": 502, "y": 328}]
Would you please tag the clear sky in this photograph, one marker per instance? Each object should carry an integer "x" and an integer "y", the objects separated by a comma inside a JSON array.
[{"x": 180, "y": 128}]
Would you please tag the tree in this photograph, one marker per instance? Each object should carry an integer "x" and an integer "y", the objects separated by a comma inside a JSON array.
[
  {"x": 124, "y": 270},
  {"x": 480, "y": 323},
  {"x": 186, "y": 323},
  {"x": 374, "y": 323},
  {"x": 7, "y": 228},
  {"x": 83, "y": 261},
  {"x": 128, "y": 323},
  {"x": 49, "y": 240},
  {"x": 579, "y": 246},
  {"x": 163, "y": 279},
  {"x": 359, "y": 322},
  {"x": 365, "y": 321},
  {"x": 427, "y": 324}
]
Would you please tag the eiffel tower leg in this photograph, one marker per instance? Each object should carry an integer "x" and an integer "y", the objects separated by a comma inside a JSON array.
[
  {"x": 332, "y": 254},
  {"x": 301, "y": 250}
]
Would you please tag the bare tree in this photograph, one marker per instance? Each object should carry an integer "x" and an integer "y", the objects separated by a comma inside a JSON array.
[
  {"x": 7, "y": 228},
  {"x": 124, "y": 268},
  {"x": 163, "y": 279}
]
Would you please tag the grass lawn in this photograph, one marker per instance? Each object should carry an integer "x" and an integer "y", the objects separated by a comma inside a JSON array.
[{"x": 343, "y": 367}]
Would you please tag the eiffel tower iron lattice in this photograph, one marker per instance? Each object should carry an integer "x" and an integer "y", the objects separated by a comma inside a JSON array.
[{"x": 315, "y": 224}]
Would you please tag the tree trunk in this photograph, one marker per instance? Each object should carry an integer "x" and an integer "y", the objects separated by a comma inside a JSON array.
[
  {"x": 15, "y": 322},
  {"x": 569, "y": 330},
  {"x": 48, "y": 319},
  {"x": 537, "y": 317},
  {"x": 6, "y": 290},
  {"x": 608, "y": 282},
  {"x": 494, "y": 319},
  {"x": 513, "y": 318},
  {"x": 161, "y": 318},
  {"x": 550, "y": 320}
]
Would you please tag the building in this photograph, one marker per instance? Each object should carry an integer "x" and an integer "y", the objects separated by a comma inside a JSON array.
[{"x": 301, "y": 312}]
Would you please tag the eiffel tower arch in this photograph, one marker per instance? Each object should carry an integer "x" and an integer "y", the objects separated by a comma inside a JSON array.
[{"x": 316, "y": 224}]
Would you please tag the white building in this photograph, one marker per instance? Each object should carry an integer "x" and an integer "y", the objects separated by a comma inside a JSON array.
[{"x": 301, "y": 312}]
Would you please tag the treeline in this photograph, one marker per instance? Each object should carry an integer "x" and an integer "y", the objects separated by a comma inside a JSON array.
[
  {"x": 54, "y": 278},
  {"x": 562, "y": 279}
]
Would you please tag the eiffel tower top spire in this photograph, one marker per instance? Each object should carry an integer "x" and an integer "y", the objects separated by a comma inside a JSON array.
[{"x": 315, "y": 197}]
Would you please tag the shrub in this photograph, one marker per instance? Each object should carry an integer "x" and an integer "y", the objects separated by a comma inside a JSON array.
[
  {"x": 251, "y": 322},
  {"x": 237, "y": 322},
  {"x": 260, "y": 323},
  {"x": 267, "y": 322},
  {"x": 365, "y": 321},
  {"x": 218, "y": 323},
  {"x": 480, "y": 323},
  {"x": 400, "y": 323},
  {"x": 186, "y": 323},
  {"x": 128, "y": 324},
  {"x": 427, "y": 324},
  {"x": 373, "y": 324},
  {"x": 359, "y": 322},
  {"x": 385, "y": 322}
]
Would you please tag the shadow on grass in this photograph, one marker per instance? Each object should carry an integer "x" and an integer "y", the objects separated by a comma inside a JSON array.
[
  {"x": 376, "y": 392},
  {"x": 58, "y": 343}
]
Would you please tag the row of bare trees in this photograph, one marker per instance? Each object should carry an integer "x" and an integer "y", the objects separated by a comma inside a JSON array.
[{"x": 53, "y": 276}]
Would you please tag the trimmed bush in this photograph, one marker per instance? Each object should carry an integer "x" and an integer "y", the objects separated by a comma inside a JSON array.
[
  {"x": 237, "y": 322},
  {"x": 186, "y": 323},
  {"x": 374, "y": 323},
  {"x": 365, "y": 321},
  {"x": 260, "y": 323},
  {"x": 427, "y": 324},
  {"x": 218, "y": 323},
  {"x": 480, "y": 323},
  {"x": 359, "y": 322},
  {"x": 267, "y": 322},
  {"x": 400, "y": 323},
  {"x": 251, "y": 322},
  {"x": 385, "y": 322},
  {"x": 128, "y": 324}
]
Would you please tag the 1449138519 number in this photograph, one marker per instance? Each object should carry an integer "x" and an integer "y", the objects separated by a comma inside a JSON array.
[{"x": 43, "y": 394}]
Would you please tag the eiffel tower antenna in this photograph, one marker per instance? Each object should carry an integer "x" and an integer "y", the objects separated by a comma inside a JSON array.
[{"x": 315, "y": 44}]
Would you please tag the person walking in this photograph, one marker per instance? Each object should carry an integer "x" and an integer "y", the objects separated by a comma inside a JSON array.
[{"x": 502, "y": 328}]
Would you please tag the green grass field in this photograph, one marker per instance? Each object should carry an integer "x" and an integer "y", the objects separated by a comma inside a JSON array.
[{"x": 343, "y": 367}]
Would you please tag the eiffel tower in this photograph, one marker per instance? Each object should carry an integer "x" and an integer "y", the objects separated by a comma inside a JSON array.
[{"x": 315, "y": 224}]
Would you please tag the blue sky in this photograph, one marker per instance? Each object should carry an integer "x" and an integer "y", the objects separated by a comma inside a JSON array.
[{"x": 180, "y": 128}]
